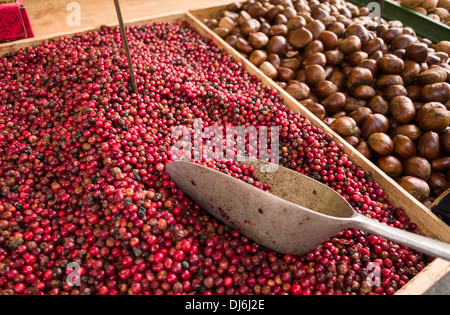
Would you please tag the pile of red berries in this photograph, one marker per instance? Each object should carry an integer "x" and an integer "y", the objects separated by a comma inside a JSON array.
[{"x": 82, "y": 176}]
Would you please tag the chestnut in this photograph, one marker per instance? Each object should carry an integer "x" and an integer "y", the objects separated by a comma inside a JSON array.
[
  {"x": 222, "y": 32},
  {"x": 364, "y": 92},
  {"x": 352, "y": 140},
  {"x": 350, "y": 45},
  {"x": 417, "y": 187},
  {"x": 338, "y": 78},
  {"x": 394, "y": 90},
  {"x": 374, "y": 45},
  {"x": 258, "y": 40},
  {"x": 390, "y": 165},
  {"x": 325, "y": 88},
  {"x": 359, "y": 76},
  {"x": 344, "y": 126},
  {"x": 389, "y": 34},
  {"x": 360, "y": 114},
  {"x": 402, "y": 41},
  {"x": 425, "y": 108},
  {"x": 314, "y": 74},
  {"x": 232, "y": 40},
  {"x": 277, "y": 45},
  {"x": 300, "y": 38},
  {"x": 428, "y": 146},
  {"x": 370, "y": 64},
  {"x": 258, "y": 57},
  {"x": 414, "y": 93},
  {"x": 381, "y": 143},
  {"x": 295, "y": 23},
  {"x": 352, "y": 104},
  {"x": 391, "y": 65},
  {"x": 329, "y": 40},
  {"x": 244, "y": 46},
  {"x": 402, "y": 109},
  {"x": 278, "y": 30},
  {"x": 436, "y": 92},
  {"x": 436, "y": 119},
  {"x": 316, "y": 58},
  {"x": 273, "y": 12},
  {"x": 250, "y": 26},
  {"x": 374, "y": 123},
  {"x": 365, "y": 150},
  {"x": 299, "y": 91},
  {"x": 258, "y": 12},
  {"x": 385, "y": 80},
  {"x": 417, "y": 52},
  {"x": 275, "y": 60},
  {"x": 227, "y": 23},
  {"x": 435, "y": 74},
  {"x": 410, "y": 72},
  {"x": 437, "y": 180},
  {"x": 315, "y": 46},
  {"x": 316, "y": 28},
  {"x": 441, "y": 164},
  {"x": 335, "y": 103},
  {"x": 285, "y": 74},
  {"x": 359, "y": 31},
  {"x": 243, "y": 16},
  {"x": 356, "y": 58},
  {"x": 411, "y": 131},
  {"x": 418, "y": 167},
  {"x": 268, "y": 69},
  {"x": 379, "y": 105},
  {"x": 317, "y": 109},
  {"x": 338, "y": 28},
  {"x": 445, "y": 141},
  {"x": 334, "y": 57},
  {"x": 280, "y": 19},
  {"x": 404, "y": 147},
  {"x": 293, "y": 63}
]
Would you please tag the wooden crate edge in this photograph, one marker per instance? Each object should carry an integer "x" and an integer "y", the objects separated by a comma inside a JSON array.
[
  {"x": 16, "y": 45},
  {"x": 425, "y": 279}
]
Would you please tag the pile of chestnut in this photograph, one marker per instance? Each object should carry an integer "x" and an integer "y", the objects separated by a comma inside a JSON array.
[
  {"x": 437, "y": 10},
  {"x": 381, "y": 87}
]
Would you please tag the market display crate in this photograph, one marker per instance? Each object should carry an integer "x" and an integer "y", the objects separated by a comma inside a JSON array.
[
  {"x": 422, "y": 24},
  {"x": 14, "y": 21},
  {"x": 428, "y": 224}
]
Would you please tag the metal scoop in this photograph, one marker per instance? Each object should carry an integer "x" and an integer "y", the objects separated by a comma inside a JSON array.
[{"x": 298, "y": 215}]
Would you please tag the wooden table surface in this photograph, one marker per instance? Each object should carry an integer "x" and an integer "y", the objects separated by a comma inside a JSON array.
[{"x": 50, "y": 16}]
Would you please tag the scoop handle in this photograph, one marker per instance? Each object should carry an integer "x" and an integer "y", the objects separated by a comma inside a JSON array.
[{"x": 420, "y": 243}]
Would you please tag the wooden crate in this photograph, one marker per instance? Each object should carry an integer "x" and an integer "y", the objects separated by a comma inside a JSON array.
[{"x": 427, "y": 222}]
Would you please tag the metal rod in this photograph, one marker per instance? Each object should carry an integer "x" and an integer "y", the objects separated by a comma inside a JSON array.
[{"x": 126, "y": 46}]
